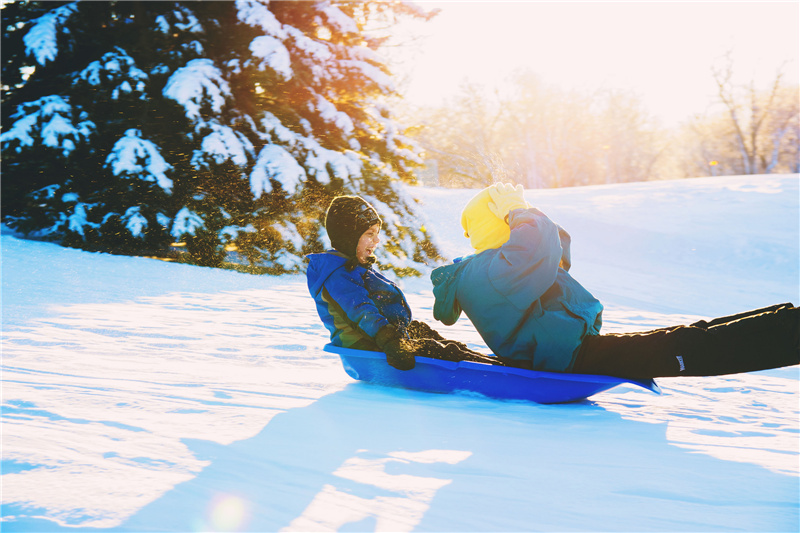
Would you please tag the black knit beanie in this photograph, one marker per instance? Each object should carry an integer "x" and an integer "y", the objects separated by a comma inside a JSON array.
[{"x": 348, "y": 217}]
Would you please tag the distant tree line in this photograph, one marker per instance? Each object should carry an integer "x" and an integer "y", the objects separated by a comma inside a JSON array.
[{"x": 541, "y": 136}]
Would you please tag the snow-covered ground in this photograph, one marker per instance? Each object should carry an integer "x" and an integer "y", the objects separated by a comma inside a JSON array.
[{"x": 140, "y": 395}]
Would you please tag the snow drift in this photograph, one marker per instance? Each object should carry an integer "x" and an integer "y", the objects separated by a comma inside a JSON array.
[{"x": 143, "y": 395}]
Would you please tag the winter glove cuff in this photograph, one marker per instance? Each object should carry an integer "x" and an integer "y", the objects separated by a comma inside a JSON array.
[{"x": 398, "y": 349}]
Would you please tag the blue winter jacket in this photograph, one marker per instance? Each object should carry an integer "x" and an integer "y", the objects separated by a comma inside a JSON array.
[
  {"x": 355, "y": 304},
  {"x": 520, "y": 297}
]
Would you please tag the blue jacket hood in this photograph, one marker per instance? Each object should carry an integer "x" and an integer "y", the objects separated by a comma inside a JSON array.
[{"x": 320, "y": 268}]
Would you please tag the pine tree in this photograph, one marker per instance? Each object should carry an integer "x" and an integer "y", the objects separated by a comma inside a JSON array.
[{"x": 225, "y": 126}]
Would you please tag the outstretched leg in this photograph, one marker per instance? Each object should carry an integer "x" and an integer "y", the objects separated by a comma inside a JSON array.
[
  {"x": 745, "y": 343},
  {"x": 731, "y": 318}
]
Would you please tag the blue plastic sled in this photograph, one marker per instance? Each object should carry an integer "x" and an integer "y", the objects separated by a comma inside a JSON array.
[{"x": 493, "y": 381}]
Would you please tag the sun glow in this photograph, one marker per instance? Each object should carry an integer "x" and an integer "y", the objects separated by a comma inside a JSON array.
[
  {"x": 228, "y": 513},
  {"x": 593, "y": 46}
]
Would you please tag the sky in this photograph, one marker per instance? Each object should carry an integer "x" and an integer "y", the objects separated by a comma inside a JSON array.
[{"x": 661, "y": 51}]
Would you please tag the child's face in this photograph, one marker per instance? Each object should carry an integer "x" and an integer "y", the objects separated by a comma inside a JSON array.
[{"x": 369, "y": 240}]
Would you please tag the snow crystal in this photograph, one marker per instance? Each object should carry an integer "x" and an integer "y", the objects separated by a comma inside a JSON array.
[
  {"x": 274, "y": 162},
  {"x": 198, "y": 81},
  {"x": 128, "y": 154},
  {"x": 186, "y": 223},
  {"x": 275, "y": 55},
  {"x": 223, "y": 144},
  {"x": 41, "y": 41},
  {"x": 52, "y": 114},
  {"x": 257, "y": 14},
  {"x": 135, "y": 222}
]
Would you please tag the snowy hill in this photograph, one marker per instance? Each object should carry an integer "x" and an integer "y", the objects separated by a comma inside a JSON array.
[{"x": 143, "y": 395}]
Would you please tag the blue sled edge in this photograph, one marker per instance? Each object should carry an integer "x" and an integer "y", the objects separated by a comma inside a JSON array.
[{"x": 494, "y": 381}]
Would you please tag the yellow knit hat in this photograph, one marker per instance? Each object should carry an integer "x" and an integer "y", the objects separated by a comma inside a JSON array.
[
  {"x": 481, "y": 226},
  {"x": 481, "y": 216}
]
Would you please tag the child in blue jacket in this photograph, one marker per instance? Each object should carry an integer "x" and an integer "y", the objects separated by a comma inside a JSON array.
[{"x": 363, "y": 309}]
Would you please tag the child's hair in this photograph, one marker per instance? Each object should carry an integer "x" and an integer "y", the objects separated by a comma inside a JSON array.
[{"x": 348, "y": 217}]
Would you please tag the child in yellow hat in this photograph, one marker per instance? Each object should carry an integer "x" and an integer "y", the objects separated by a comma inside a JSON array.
[{"x": 517, "y": 291}]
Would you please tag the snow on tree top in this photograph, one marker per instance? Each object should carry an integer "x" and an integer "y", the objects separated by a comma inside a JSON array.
[
  {"x": 317, "y": 51},
  {"x": 329, "y": 113},
  {"x": 273, "y": 126},
  {"x": 135, "y": 222},
  {"x": 187, "y": 21},
  {"x": 345, "y": 165},
  {"x": 223, "y": 144},
  {"x": 41, "y": 41},
  {"x": 257, "y": 14},
  {"x": 274, "y": 54},
  {"x": 187, "y": 222},
  {"x": 274, "y": 162},
  {"x": 49, "y": 118},
  {"x": 130, "y": 152},
  {"x": 199, "y": 81},
  {"x": 338, "y": 19},
  {"x": 381, "y": 79},
  {"x": 114, "y": 66}
]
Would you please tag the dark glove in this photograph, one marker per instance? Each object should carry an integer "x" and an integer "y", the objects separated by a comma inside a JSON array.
[
  {"x": 421, "y": 330},
  {"x": 398, "y": 349}
]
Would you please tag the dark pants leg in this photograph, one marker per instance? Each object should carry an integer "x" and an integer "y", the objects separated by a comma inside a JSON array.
[
  {"x": 726, "y": 319},
  {"x": 730, "y": 345}
]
